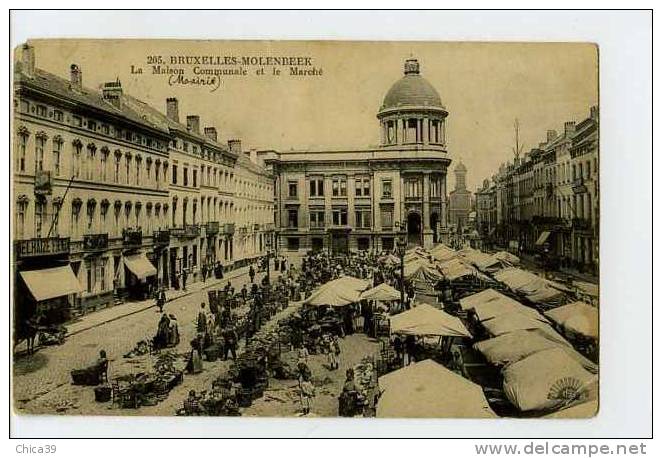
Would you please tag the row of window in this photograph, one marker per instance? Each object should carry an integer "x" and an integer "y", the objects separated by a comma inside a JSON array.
[
  {"x": 338, "y": 217},
  {"x": 56, "y": 115},
  {"x": 413, "y": 188}
]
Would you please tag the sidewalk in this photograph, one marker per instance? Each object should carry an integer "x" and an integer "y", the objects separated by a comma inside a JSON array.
[{"x": 117, "y": 312}]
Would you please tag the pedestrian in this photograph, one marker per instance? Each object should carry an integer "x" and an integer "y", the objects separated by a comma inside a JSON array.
[
  {"x": 201, "y": 324},
  {"x": 397, "y": 346},
  {"x": 203, "y": 270},
  {"x": 230, "y": 343},
  {"x": 251, "y": 273},
  {"x": 160, "y": 300},
  {"x": 184, "y": 277},
  {"x": 334, "y": 353},
  {"x": 244, "y": 292},
  {"x": 307, "y": 395},
  {"x": 410, "y": 348}
]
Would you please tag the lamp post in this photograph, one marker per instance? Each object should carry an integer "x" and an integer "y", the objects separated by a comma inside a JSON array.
[
  {"x": 402, "y": 246},
  {"x": 268, "y": 260}
]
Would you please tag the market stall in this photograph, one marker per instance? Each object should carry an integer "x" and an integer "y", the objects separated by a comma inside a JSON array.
[
  {"x": 426, "y": 320},
  {"x": 577, "y": 318},
  {"x": 428, "y": 390},
  {"x": 548, "y": 380}
]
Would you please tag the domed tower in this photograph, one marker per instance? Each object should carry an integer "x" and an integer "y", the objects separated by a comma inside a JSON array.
[
  {"x": 412, "y": 114},
  {"x": 460, "y": 176}
]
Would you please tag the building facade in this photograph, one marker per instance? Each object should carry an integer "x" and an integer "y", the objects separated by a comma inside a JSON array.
[
  {"x": 113, "y": 198},
  {"x": 361, "y": 199},
  {"x": 548, "y": 201}
]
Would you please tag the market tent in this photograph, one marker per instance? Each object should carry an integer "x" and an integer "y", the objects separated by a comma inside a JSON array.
[
  {"x": 507, "y": 257},
  {"x": 339, "y": 292},
  {"x": 549, "y": 379},
  {"x": 535, "y": 288},
  {"x": 483, "y": 261},
  {"x": 426, "y": 320},
  {"x": 487, "y": 295},
  {"x": 416, "y": 256},
  {"x": 429, "y": 390},
  {"x": 443, "y": 253},
  {"x": 502, "y": 306},
  {"x": 50, "y": 283},
  {"x": 381, "y": 292},
  {"x": 422, "y": 270},
  {"x": 140, "y": 265},
  {"x": 456, "y": 268},
  {"x": 515, "y": 321},
  {"x": 515, "y": 346},
  {"x": 577, "y": 317},
  {"x": 586, "y": 409}
]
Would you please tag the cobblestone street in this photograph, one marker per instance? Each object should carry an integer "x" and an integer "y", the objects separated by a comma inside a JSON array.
[{"x": 42, "y": 382}]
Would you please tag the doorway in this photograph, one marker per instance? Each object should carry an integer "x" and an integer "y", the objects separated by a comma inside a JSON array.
[{"x": 414, "y": 229}]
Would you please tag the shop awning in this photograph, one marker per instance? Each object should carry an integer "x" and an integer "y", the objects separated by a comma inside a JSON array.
[
  {"x": 140, "y": 265},
  {"x": 543, "y": 238},
  {"x": 47, "y": 284}
]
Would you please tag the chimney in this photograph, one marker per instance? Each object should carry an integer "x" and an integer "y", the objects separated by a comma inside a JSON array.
[
  {"x": 76, "y": 77},
  {"x": 112, "y": 93},
  {"x": 27, "y": 59},
  {"x": 569, "y": 127},
  {"x": 551, "y": 135},
  {"x": 253, "y": 156},
  {"x": 193, "y": 123},
  {"x": 172, "y": 109},
  {"x": 594, "y": 112},
  {"x": 234, "y": 146},
  {"x": 211, "y": 133}
]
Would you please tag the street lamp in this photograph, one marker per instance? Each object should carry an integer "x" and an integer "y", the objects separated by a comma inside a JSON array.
[{"x": 401, "y": 228}]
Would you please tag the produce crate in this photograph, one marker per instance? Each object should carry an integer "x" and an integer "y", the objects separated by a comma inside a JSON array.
[{"x": 85, "y": 377}]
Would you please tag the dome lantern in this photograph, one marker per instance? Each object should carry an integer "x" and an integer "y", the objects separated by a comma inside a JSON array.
[{"x": 412, "y": 112}]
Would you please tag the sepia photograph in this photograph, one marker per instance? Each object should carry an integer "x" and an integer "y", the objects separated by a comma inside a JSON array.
[{"x": 305, "y": 229}]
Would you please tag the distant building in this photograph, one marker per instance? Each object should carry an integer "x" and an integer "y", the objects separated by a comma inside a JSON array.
[
  {"x": 359, "y": 199},
  {"x": 459, "y": 200}
]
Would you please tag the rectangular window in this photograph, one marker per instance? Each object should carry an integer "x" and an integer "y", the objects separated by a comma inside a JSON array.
[
  {"x": 78, "y": 121},
  {"x": 293, "y": 218},
  {"x": 92, "y": 125},
  {"x": 412, "y": 189},
  {"x": 89, "y": 279},
  {"x": 194, "y": 252},
  {"x": 317, "y": 219},
  {"x": 387, "y": 218},
  {"x": 138, "y": 167},
  {"x": 42, "y": 111},
  {"x": 435, "y": 188},
  {"x": 39, "y": 208},
  {"x": 339, "y": 187},
  {"x": 174, "y": 174},
  {"x": 316, "y": 187},
  {"x": 57, "y": 154},
  {"x": 185, "y": 176},
  {"x": 387, "y": 189},
  {"x": 363, "y": 218},
  {"x": 292, "y": 189},
  {"x": 339, "y": 217},
  {"x": 195, "y": 178},
  {"x": 20, "y": 219},
  {"x": 40, "y": 142},
  {"x": 22, "y": 147},
  {"x": 117, "y": 169}
]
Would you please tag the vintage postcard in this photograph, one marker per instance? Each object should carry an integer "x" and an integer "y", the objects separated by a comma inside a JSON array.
[{"x": 305, "y": 229}]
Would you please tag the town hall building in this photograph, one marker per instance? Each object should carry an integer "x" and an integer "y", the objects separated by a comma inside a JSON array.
[{"x": 361, "y": 199}]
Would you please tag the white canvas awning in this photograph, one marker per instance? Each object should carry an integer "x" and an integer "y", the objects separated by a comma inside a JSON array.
[
  {"x": 426, "y": 320},
  {"x": 577, "y": 317},
  {"x": 140, "y": 265},
  {"x": 50, "y": 283},
  {"x": 429, "y": 390},
  {"x": 381, "y": 292},
  {"x": 339, "y": 292},
  {"x": 543, "y": 238}
]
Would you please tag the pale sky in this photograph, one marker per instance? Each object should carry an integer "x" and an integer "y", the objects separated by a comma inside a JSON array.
[{"x": 483, "y": 86}]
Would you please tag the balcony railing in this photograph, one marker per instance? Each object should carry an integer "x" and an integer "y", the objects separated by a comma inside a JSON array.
[
  {"x": 578, "y": 186},
  {"x": 228, "y": 228},
  {"x": 42, "y": 247},
  {"x": 581, "y": 223},
  {"x": 188, "y": 231},
  {"x": 212, "y": 228},
  {"x": 132, "y": 237},
  {"x": 95, "y": 242},
  {"x": 162, "y": 237}
]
